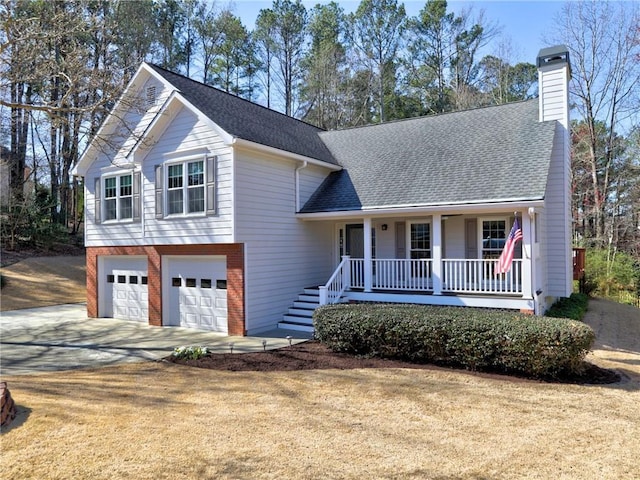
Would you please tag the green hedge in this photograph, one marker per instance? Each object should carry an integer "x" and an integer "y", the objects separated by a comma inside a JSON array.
[{"x": 478, "y": 339}]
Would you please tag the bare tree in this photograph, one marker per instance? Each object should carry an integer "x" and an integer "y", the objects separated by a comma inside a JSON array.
[{"x": 604, "y": 43}]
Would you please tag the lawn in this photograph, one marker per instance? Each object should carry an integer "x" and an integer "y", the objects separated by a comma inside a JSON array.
[
  {"x": 159, "y": 420},
  {"x": 162, "y": 420}
]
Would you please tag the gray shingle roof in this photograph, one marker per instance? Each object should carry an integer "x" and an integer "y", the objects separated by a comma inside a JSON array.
[
  {"x": 249, "y": 121},
  {"x": 491, "y": 154}
]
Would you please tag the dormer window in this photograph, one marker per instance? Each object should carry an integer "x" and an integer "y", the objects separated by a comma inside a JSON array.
[
  {"x": 117, "y": 197},
  {"x": 186, "y": 187}
]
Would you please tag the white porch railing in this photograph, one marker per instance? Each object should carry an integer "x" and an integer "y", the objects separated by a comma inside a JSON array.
[
  {"x": 332, "y": 291},
  {"x": 458, "y": 276},
  {"x": 478, "y": 276},
  {"x": 395, "y": 274}
]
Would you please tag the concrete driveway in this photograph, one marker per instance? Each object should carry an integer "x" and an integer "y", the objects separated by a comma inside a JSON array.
[{"x": 61, "y": 337}]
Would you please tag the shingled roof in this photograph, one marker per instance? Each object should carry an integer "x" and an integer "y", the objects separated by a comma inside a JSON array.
[
  {"x": 485, "y": 155},
  {"x": 249, "y": 121}
]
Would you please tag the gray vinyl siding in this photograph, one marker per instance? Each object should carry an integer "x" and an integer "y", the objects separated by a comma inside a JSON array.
[
  {"x": 186, "y": 133},
  {"x": 106, "y": 233},
  {"x": 556, "y": 223},
  {"x": 557, "y": 234},
  {"x": 115, "y": 151},
  {"x": 311, "y": 178},
  {"x": 282, "y": 254}
]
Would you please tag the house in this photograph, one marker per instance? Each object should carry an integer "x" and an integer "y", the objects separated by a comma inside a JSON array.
[{"x": 208, "y": 211}]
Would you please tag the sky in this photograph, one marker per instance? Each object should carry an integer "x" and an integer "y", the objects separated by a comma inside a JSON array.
[{"x": 523, "y": 23}]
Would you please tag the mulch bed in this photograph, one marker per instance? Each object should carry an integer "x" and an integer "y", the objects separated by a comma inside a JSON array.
[{"x": 313, "y": 355}]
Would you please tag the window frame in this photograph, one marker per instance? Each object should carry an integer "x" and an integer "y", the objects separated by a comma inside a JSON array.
[
  {"x": 208, "y": 181},
  {"x": 498, "y": 250},
  {"x": 409, "y": 248},
  {"x": 118, "y": 197}
]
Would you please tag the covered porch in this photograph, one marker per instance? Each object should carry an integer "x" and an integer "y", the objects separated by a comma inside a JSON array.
[{"x": 447, "y": 258}]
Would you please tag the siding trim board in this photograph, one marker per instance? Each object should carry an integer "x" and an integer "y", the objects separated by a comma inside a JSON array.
[{"x": 234, "y": 254}]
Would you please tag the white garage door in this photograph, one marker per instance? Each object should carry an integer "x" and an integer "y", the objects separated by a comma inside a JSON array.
[
  {"x": 198, "y": 292},
  {"x": 125, "y": 288}
]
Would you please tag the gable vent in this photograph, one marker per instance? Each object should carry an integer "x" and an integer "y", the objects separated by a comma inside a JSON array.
[{"x": 151, "y": 96}]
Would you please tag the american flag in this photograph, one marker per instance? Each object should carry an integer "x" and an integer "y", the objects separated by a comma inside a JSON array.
[{"x": 506, "y": 257}]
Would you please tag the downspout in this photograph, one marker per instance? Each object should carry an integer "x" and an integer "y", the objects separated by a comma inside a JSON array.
[{"x": 301, "y": 167}]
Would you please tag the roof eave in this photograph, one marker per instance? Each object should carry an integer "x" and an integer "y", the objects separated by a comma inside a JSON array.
[
  {"x": 426, "y": 209},
  {"x": 90, "y": 152},
  {"x": 249, "y": 145}
]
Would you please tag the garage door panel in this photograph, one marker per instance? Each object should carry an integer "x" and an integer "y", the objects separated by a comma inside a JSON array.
[
  {"x": 193, "y": 293},
  {"x": 125, "y": 288}
]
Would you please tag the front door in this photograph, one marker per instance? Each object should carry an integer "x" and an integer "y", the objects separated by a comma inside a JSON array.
[{"x": 355, "y": 241}]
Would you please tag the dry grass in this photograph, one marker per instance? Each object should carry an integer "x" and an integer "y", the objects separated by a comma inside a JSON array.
[
  {"x": 42, "y": 281},
  {"x": 167, "y": 421},
  {"x": 156, "y": 421}
]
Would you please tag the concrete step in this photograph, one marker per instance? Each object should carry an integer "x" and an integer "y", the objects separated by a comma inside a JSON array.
[
  {"x": 300, "y": 312},
  {"x": 305, "y": 305},
  {"x": 297, "y": 319},
  {"x": 294, "y": 322},
  {"x": 309, "y": 298}
]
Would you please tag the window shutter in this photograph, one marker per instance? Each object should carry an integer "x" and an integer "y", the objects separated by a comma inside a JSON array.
[
  {"x": 96, "y": 199},
  {"x": 136, "y": 200},
  {"x": 401, "y": 240},
  {"x": 471, "y": 238},
  {"x": 211, "y": 163},
  {"x": 159, "y": 192}
]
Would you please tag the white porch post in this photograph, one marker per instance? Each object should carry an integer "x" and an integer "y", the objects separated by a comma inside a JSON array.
[
  {"x": 527, "y": 255},
  {"x": 436, "y": 275},
  {"x": 368, "y": 270}
]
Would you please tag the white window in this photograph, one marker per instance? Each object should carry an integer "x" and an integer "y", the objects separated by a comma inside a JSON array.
[
  {"x": 493, "y": 236},
  {"x": 420, "y": 241},
  {"x": 189, "y": 188},
  {"x": 185, "y": 188},
  {"x": 118, "y": 197}
]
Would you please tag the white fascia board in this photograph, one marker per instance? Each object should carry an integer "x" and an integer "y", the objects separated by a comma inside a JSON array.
[
  {"x": 246, "y": 144},
  {"x": 142, "y": 74},
  {"x": 89, "y": 154},
  {"x": 417, "y": 210},
  {"x": 227, "y": 138}
]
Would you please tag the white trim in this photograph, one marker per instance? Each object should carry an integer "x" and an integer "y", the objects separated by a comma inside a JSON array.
[
  {"x": 136, "y": 81},
  {"x": 418, "y": 221},
  {"x": 103, "y": 197},
  {"x": 421, "y": 210},
  {"x": 480, "y": 229},
  {"x": 241, "y": 143},
  {"x": 185, "y": 187},
  {"x": 515, "y": 302},
  {"x": 185, "y": 154}
]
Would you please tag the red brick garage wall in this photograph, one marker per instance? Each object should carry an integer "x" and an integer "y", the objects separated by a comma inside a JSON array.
[{"x": 235, "y": 277}]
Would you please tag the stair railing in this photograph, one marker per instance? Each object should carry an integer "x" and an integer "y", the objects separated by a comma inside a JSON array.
[{"x": 332, "y": 291}]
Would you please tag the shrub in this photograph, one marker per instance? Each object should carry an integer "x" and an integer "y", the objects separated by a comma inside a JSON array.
[
  {"x": 190, "y": 353},
  {"x": 478, "y": 339},
  {"x": 573, "y": 307},
  {"x": 610, "y": 272}
]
